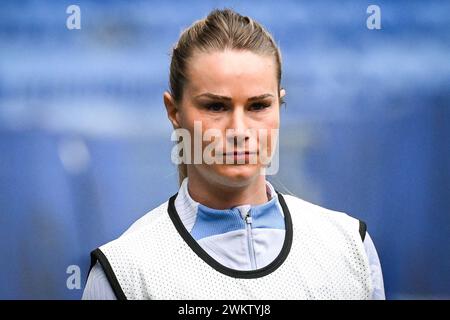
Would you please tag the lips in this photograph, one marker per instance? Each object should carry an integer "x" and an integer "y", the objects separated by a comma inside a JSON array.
[{"x": 239, "y": 153}]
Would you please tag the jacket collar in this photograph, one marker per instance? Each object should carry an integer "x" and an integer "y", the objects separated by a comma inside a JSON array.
[{"x": 202, "y": 221}]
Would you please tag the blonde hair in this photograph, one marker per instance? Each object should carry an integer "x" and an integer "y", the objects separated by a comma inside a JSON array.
[{"x": 220, "y": 30}]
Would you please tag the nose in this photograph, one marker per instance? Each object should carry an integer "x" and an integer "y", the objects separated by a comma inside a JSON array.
[{"x": 237, "y": 130}]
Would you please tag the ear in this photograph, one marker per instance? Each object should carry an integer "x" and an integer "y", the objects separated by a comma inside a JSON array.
[{"x": 172, "y": 109}]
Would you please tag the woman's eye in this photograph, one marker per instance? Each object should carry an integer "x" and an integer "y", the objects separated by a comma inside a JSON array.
[
  {"x": 216, "y": 107},
  {"x": 259, "y": 106}
]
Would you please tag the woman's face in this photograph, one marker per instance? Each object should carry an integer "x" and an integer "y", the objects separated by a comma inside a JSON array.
[{"x": 231, "y": 90}]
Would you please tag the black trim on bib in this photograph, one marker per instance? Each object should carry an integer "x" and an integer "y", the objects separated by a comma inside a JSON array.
[
  {"x": 247, "y": 274},
  {"x": 98, "y": 255},
  {"x": 362, "y": 229}
]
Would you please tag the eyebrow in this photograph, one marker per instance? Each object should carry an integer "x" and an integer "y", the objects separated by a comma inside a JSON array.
[{"x": 215, "y": 96}]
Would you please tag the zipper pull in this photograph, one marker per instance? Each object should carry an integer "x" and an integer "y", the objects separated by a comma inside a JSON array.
[{"x": 248, "y": 218}]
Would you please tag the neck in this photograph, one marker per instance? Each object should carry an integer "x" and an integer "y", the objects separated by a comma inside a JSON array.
[{"x": 218, "y": 196}]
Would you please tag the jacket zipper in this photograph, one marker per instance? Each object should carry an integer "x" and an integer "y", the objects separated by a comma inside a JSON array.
[{"x": 248, "y": 221}]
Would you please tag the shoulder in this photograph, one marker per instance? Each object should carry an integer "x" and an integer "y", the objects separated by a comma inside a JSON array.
[
  {"x": 310, "y": 213},
  {"x": 310, "y": 209},
  {"x": 122, "y": 258},
  {"x": 150, "y": 221}
]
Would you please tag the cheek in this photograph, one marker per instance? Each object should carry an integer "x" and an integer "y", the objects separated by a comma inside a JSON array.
[
  {"x": 192, "y": 121},
  {"x": 187, "y": 118},
  {"x": 275, "y": 119},
  {"x": 270, "y": 135},
  {"x": 197, "y": 125}
]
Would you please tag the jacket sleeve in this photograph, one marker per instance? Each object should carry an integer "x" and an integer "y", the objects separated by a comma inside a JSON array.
[
  {"x": 97, "y": 285},
  {"x": 375, "y": 269}
]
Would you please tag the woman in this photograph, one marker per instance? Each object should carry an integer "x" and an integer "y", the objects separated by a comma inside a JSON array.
[{"x": 227, "y": 234}]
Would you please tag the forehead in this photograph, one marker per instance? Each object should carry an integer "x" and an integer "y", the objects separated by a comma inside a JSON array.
[{"x": 232, "y": 72}]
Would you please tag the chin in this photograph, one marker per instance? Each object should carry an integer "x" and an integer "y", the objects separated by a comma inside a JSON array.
[{"x": 236, "y": 175}]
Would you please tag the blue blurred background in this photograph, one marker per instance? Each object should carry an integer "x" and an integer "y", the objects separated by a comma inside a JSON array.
[{"x": 85, "y": 142}]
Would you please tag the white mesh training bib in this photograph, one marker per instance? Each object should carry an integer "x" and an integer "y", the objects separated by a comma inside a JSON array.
[{"x": 323, "y": 257}]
